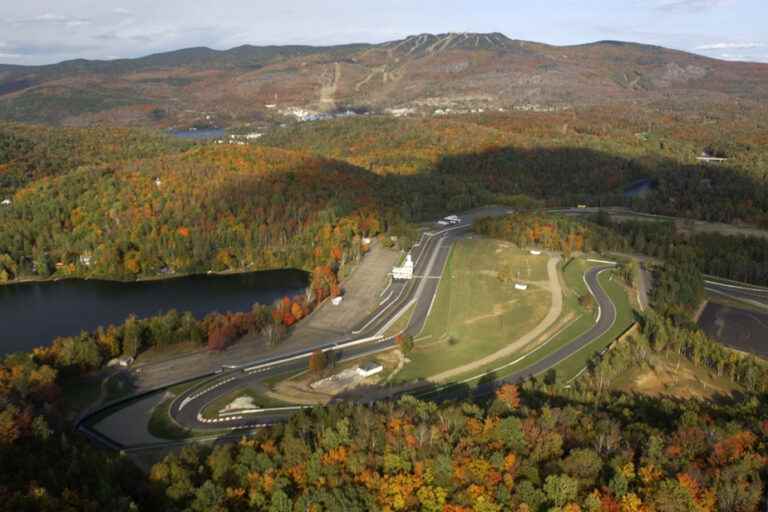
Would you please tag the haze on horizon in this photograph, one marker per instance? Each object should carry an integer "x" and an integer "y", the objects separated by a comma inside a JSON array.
[{"x": 46, "y": 31}]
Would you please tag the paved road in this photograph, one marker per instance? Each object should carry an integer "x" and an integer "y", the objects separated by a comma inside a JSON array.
[
  {"x": 430, "y": 255},
  {"x": 754, "y": 295},
  {"x": 604, "y": 323},
  {"x": 195, "y": 401}
]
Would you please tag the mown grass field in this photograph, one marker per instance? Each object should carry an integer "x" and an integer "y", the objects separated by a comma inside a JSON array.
[
  {"x": 574, "y": 320},
  {"x": 475, "y": 314}
]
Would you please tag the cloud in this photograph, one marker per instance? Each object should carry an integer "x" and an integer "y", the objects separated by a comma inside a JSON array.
[
  {"x": 742, "y": 57},
  {"x": 691, "y": 5},
  {"x": 49, "y": 17},
  {"x": 10, "y": 56},
  {"x": 730, "y": 46},
  {"x": 121, "y": 10}
]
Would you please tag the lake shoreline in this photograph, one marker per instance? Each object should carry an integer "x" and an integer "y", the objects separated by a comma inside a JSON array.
[
  {"x": 145, "y": 279},
  {"x": 38, "y": 311}
]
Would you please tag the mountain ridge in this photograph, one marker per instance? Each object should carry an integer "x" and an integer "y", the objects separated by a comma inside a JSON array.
[{"x": 422, "y": 73}]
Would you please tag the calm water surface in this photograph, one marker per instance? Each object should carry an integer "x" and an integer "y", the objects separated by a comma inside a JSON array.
[
  {"x": 203, "y": 134},
  {"x": 33, "y": 314}
]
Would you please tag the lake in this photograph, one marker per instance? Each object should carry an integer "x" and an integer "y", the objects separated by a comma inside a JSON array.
[
  {"x": 201, "y": 134},
  {"x": 33, "y": 314}
]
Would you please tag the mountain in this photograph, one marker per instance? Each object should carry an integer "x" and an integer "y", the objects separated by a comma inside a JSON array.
[{"x": 421, "y": 74}]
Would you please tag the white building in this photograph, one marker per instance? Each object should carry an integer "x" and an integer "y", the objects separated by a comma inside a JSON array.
[
  {"x": 535, "y": 252},
  {"x": 520, "y": 286},
  {"x": 404, "y": 272},
  {"x": 369, "y": 369},
  {"x": 452, "y": 219},
  {"x": 6, "y": 202},
  {"x": 336, "y": 301}
]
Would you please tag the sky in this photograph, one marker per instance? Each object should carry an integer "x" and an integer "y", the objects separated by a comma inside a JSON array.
[{"x": 48, "y": 31}]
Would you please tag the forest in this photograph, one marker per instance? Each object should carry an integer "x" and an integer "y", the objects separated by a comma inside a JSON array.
[
  {"x": 130, "y": 204},
  {"x": 737, "y": 257},
  {"x": 533, "y": 446},
  {"x": 124, "y": 204},
  {"x": 209, "y": 209}
]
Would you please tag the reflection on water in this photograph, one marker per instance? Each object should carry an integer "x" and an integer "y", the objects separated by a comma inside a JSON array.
[{"x": 33, "y": 314}]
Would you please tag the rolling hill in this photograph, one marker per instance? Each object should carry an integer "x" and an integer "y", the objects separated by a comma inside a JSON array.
[{"x": 419, "y": 74}]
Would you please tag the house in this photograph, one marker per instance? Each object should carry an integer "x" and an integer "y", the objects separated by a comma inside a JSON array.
[
  {"x": 336, "y": 301},
  {"x": 368, "y": 369},
  {"x": 6, "y": 202},
  {"x": 708, "y": 158},
  {"x": 405, "y": 271},
  {"x": 85, "y": 259},
  {"x": 158, "y": 182},
  {"x": 521, "y": 286},
  {"x": 452, "y": 219},
  {"x": 535, "y": 252}
]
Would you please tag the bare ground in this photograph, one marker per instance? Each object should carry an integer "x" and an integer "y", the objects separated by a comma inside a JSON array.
[{"x": 326, "y": 323}]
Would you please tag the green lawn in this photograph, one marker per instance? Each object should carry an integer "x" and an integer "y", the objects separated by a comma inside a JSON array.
[
  {"x": 401, "y": 323},
  {"x": 162, "y": 425},
  {"x": 475, "y": 314},
  {"x": 580, "y": 321},
  {"x": 625, "y": 316},
  {"x": 570, "y": 367}
]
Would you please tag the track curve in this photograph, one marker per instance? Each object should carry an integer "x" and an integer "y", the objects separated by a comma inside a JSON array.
[{"x": 189, "y": 415}]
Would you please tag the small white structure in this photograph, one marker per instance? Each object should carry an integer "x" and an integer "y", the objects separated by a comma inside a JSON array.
[
  {"x": 122, "y": 361},
  {"x": 367, "y": 241},
  {"x": 521, "y": 286},
  {"x": 442, "y": 223},
  {"x": 336, "y": 301},
  {"x": 369, "y": 369},
  {"x": 406, "y": 271},
  {"x": 253, "y": 135},
  {"x": 6, "y": 202},
  {"x": 452, "y": 219},
  {"x": 85, "y": 259},
  {"x": 535, "y": 252},
  {"x": 158, "y": 182}
]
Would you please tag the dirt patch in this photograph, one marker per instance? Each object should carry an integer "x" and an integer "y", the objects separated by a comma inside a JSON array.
[
  {"x": 498, "y": 310},
  {"x": 676, "y": 378}
]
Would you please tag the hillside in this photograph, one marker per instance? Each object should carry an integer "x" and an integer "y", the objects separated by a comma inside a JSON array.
[
  {"x": 260, "y": 208},
  {"x": 131, "y": 200},
  {"x": 422, "y": 74}
]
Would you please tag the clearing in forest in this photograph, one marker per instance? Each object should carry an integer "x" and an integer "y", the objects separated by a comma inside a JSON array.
[{"x": 478, "y": 311}]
